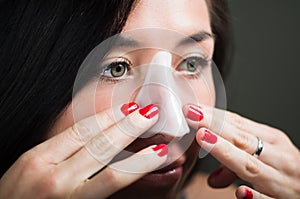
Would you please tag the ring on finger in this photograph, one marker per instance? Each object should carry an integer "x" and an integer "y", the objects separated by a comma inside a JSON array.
[{"x": 260, "y": 146}]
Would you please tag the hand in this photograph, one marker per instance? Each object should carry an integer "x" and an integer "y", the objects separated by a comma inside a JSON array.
[
  {"x": 274, "y": 173},
  {"x": 62, "y": 166}
]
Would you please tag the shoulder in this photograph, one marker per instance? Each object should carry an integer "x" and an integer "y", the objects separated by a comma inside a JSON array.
[{"x": 198, "y": 188}]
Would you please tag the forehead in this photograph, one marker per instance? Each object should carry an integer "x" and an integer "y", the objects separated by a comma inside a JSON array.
[{"x": 185, "y": 16}]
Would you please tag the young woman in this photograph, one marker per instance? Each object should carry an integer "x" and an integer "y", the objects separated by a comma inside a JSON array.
[{"x": 47, "y": 153}]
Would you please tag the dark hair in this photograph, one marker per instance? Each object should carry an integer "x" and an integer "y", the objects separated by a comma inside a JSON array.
[
  {"x": 221, "y": 27},
  {"x": 42, "y": 45}
]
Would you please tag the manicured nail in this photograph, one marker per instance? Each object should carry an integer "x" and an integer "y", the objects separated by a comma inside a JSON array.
[
  {"x": 194, "y": 114},
  {"x": 163, "y": 148},
  {"x": 249, "y": 194},
  {"x": 129, "y": 108},
  {"x": 149, "y": 111},
  {"x": 209, "y": 137}
]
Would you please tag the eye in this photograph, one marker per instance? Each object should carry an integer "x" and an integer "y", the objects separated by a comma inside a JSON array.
[
  {"x": 117, "y": 69},
  {"x": 192, "y": 65}
]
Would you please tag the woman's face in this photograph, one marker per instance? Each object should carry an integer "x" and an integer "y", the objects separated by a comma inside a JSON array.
[{"x": 187, "y": 17}]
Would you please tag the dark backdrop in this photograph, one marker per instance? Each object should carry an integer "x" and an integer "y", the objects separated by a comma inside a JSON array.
[{"x": 264, "y": 80}]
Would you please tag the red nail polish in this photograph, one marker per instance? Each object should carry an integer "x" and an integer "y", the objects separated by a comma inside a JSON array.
[
  {"x": 194, "y": 114},
  {"x": 149, "y": 111},
  {"x": 249, "y": 194},
  {"x": 163, "y": 147},
  {"x": 129, "y": 108},
  {"x": 209, "y": 137}
]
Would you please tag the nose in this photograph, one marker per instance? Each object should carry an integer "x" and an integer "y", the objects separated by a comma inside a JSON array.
[{"x": 160, "y": 88}]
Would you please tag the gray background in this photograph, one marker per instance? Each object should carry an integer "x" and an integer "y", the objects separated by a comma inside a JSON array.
[{"x": 264, "y": 80}]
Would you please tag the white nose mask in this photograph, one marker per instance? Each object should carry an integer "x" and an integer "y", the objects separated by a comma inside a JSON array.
[{"x": 160, "y": 88}]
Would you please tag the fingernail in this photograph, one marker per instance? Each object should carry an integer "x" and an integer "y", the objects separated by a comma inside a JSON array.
[
  {"x": 209, "y": 137},
  {"x": 129, "y": 108},
  {"x": 149, "y": 111},
  {"x": 194, "y": 114},
  {"x": 163, "y": 148},
  {"x": 249, "y": 194}
]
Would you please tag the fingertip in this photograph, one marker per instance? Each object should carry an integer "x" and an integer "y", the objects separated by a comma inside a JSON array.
[
  {"x": 244, "y": 192},
  {"x": 205, "y": 135},
  {"x": 200, "y": 135},
  {"x": 239, "y": 193},
  {"x": 161, "y": 150},
  {"x": 142, "y": 118},
  {"x": 128, "y": 108},
  {"x": 149, "y": 111}
]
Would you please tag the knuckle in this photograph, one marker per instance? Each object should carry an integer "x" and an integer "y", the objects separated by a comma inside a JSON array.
[
  {"x": 44, "y": 179},
  {"x": 252, "y": 167},
  {"x": 242, "y": 141},
  {"x": 49, "y": 187},
  {"x": 105, "y": 119},
  {"x": 276, "y": 136},
  {"x": 112, "y": 179},
  {"x": 132, "y": 126},
  {"x": 100, "y": 143},
  {"x": 30, "y": 160},
  {"x": 293, "y": 166},
  {"x": 226, "y": 152},
  {"x": 98, "y": 148},
  {"x": 76, "y": 133},
  {"x": 237, "y": 121}
]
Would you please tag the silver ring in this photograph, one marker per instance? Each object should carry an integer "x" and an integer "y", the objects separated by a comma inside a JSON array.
[{"x": 260, "y": 146}]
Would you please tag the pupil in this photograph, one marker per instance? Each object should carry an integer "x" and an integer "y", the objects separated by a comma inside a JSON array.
[
  {"x": 118, "y": 69},
  {"x": 191, "y": 66}
]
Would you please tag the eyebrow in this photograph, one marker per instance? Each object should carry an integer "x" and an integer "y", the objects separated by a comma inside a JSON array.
[
  {"x": 121, "y": 41},
  {"x": 198, "y": 37}
]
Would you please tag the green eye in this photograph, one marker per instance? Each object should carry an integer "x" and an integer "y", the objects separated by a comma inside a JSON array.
[
  {"x": 192, "y": 65},
  {"x": 118, "y": 69}
]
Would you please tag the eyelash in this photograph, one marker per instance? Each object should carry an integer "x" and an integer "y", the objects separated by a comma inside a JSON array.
[
  {"x": 120, "y": 60},
  {"x": 105, "y": 79}
]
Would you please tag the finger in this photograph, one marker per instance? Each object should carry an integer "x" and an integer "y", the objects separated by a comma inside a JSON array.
[
  {"x": 250, "y": 126},
  {"x": 216, "y": 118},
  {"x": 244, "y": 192},
  {"x": 246, "y": 166},
  {"x": 198, "y": 117},
  {"x": 63, "y": 145},
  {"x": 122, "y": 173},
  {"x": 221, "y": 178},
  {"x": 104, "y": 147}
]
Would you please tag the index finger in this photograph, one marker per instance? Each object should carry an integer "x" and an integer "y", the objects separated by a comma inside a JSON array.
[{"x": 63, "y": 145}]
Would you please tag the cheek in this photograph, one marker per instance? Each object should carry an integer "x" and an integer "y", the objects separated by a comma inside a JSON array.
[
  {"x": 91, "y": 100},
  {"x": 103, "y": 98},
  {"x": 204, "y": 90},
  {"x": 205, "y": 95},
  {"x": 86, "y": 103}
]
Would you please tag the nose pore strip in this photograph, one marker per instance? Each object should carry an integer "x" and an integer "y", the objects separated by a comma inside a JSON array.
[{"x": 160, "y": 88}]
